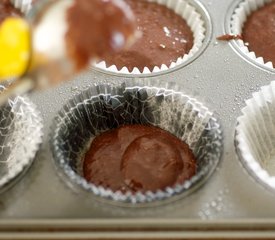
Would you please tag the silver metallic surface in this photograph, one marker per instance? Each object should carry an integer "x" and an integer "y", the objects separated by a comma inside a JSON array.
[{"x": 220, "y": 78}]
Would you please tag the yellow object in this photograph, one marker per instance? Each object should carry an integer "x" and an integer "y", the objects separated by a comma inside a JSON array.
[{"x": 14, "y": 47}]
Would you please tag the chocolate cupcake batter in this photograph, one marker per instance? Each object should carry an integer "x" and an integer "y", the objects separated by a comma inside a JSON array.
[
  {"x": 138, "y": 158},
  {"x": 97, "y": 27},
  {"x": 259, "y": 32},
  {"x": 8, "y": 10},
  {"x": 165, "y": 37}
]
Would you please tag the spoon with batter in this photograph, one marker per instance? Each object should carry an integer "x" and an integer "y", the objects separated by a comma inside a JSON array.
[{"x": 66, "y": 35}]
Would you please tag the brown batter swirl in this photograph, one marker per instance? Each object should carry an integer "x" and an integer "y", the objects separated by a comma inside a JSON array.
[
  {"x": 97, "y": 27},
  {"x": 138, "y": 158},
  {"x": 165, "y": 37},
  {"x": 259, "y": 32},
  {"x": 8, "y": 10}
]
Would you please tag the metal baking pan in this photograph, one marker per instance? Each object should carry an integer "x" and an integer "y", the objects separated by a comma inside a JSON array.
[{"x": 229, "y": 205}]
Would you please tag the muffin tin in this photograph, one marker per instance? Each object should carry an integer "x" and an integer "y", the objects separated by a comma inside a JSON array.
[{"x": 221, "y": 78}]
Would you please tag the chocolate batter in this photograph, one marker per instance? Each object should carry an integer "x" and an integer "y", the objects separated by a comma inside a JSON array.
[
  {"x": 97, "y": 27},
  {"x": 165, "y": 37},
  {"x": 8, "y": 10},
  {"x": 228, "y": 37},
  {"x": 138, "y": 158},
  {"x": 259, "y": 32}
]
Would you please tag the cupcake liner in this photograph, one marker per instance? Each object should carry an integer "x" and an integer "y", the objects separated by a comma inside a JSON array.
[
  {"x": 23, "y": 5},
  {"x": 193, "y": 19},
  {"x": 20, "y": 137},
  {"x": 103, "y": 107},
  {"x": 255, "y": 136},
  {"x": 243, "y": 10}
]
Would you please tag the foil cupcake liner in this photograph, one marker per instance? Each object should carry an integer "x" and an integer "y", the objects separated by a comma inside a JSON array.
[
  {"x": 20, "y": 137},
  {"x": 193, "y": 19},
  {"x": 255, "y": 136},
  {"x": 103, "y": 107},
  {"x": 242, "y": 11}
]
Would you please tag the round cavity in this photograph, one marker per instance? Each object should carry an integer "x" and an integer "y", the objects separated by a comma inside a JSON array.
[
  {"x": 237, "y": 16},
  {"x": 197, "y": 19},
  {"x": 104, "y": 107},
  {"x": 255, "y": 137},
  {"x": 20, "y": 137}
]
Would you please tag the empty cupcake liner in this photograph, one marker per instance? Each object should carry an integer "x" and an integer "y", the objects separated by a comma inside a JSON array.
[
  {"x": 243, "y": 10},
  {"x": 104, "y": 107},
  {"x": 195, "y": 22},
  {"x": 20, "y": 137},
  {"x": 255, "y": 136}
]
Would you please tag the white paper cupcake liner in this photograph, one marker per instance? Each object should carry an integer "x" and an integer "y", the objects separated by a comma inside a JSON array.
[
  {"x": 23, "y": 5},
  {"x": 193, "y": 19},
  {"x": 103, "y": 107},
  {"x": 20, "y": 137},
  {"x": 255, "y": 136},
  {"x": 243, "y": 10}
]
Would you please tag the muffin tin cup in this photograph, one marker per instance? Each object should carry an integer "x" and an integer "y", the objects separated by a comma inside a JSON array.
[
  {"x": 255, "y": 136},
  {"x": 20, "y": 137},
  {"x": 193, "y": 19},
  {"x": 104, "y": 107},
  {"x": 242, "y": 11}
]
